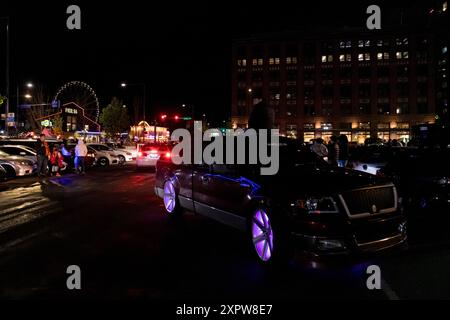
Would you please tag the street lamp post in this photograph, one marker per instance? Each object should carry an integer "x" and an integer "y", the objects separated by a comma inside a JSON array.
[
  {"x": 29, "y": 85},
  {"x": 7, "y": 72},
  {"x": 144, "y": 86}
]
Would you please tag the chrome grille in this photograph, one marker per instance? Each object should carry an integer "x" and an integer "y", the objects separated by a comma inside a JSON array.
[{"x": 370, "y": 200}]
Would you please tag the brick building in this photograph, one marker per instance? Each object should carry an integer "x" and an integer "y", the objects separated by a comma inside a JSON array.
[{"x": 356, "y": 82}]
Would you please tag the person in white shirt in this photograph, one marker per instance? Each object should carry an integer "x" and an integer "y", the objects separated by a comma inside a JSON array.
[{"x": 80, "y": 152}]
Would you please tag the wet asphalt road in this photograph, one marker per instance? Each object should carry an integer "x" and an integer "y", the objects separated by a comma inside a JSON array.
[{"x": 110, "y": 223}]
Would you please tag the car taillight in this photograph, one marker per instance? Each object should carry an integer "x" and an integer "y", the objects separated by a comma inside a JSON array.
[
  {"x": 141, "y": 154},
  {"x": 167, "y": 154}
]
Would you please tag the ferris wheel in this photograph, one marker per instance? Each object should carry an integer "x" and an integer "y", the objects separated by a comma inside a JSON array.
[{"x": 83, "y": 95}]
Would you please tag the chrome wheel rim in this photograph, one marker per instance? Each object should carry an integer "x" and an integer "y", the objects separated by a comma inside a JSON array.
[
  {"x": 262, "y": 235},
  {"x": 169, "y": 197}
]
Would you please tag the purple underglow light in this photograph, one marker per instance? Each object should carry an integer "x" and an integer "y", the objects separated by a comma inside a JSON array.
[{"x": 262, "y": 235}]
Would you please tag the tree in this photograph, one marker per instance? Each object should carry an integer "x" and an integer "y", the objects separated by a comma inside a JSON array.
[
  {"x": 58, "y": 125},
  {"x": 114, "y": 118}
]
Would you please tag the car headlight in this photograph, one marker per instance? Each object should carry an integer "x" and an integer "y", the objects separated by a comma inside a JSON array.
[{"x": 316, "y": 205}]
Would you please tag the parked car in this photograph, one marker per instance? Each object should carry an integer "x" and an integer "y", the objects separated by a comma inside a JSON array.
[
  {"x": 149, "y": 154},
  {"x": 423, "y": 179},
  {"x": 121, "y": 155},
  {"x": 3, "y": 173},
  {"x": 130, "y": 148},
  {"x": 308, "y": 204},
  {"x": 22, "y": 151},
  {"x": 30, "y": 143},
  {"x": 22, "y": 166},
  {"x": 103, "y": 158}
]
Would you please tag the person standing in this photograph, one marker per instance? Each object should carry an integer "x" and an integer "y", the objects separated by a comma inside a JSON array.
[
  {"x": 56, "y": 160},
  {"x": 43, "y": 155},
  {"x": 333, "y": 151},
  {"x": 343, "y": 150},
  {"x": 319, "y": 148},
  {"x": 80, "y": 152}
]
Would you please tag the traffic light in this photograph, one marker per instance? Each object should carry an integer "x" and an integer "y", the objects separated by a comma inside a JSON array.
[{"x": 176, "y": 117}]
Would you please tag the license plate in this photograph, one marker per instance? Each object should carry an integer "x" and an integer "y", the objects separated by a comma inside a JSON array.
[{"x": 154, "y": 156}]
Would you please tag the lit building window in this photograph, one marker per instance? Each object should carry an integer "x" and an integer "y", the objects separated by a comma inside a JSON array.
[
  {"x": 277, "y": 61},
  {"x": 363, "y": 43},
  {"x": 342, "y": 57},
  {"x": 254, "y": 62},
  {"x": 260, "y": 62},
  {"x": 401, "y": 41},
  {"x": 291, "y": 60},
  {"x": 402, "y": 125},
  {"x": 271, "y": 61},
  {"x": 444, "y": 6},
  {"x": 402, "y": 55},
  {"x": 242, "y": 62},
  {"x": 348, "y": 57},
  {"x": 364, "y": 56},
  {"x": 345, "y": 44},
  {"x": 328, "y": 58},
  {"x": 379, "y": 43},
  {"x": 383, "y": 56}
]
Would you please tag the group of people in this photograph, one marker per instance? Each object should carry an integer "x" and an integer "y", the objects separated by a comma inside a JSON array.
[
  {"x": 60, "y": 158},
  {"x": 335, "y": 152}
]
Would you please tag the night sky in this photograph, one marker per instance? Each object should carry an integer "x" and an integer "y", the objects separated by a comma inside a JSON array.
[{"x": 182, "y": 51}]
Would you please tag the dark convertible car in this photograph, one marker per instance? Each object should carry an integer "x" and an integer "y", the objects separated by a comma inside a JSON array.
[{"x": 308, "y": 205}]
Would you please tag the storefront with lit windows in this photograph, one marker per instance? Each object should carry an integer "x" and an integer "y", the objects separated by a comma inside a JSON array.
[{"x": 72, "y": 118}]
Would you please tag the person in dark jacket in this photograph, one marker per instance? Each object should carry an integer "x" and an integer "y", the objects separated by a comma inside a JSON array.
[
  {"x": 343, "y": 150},
  {"x": 333, "y": 151},
  {"x": 43, "y": 155}
]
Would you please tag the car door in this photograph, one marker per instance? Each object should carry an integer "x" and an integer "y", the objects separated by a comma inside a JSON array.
[{"x": 221, "y": 194}]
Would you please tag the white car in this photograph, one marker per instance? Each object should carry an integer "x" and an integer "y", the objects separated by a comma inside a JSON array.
[
  {"x": 125, "y": 148},
  {"x": 22, "y": 166},
  {"x": 104, "y": 158},
  {"x": 149, "y": 154},
  {"x": 122, "y": 155},
  {"x": 20, "y": 151}
]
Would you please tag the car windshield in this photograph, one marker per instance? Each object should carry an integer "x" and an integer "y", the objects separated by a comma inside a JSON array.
[{"x": 153, "y": 146}]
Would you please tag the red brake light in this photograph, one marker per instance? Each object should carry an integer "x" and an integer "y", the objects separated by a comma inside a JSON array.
[
  {"x": 167, "y": 154},
  {"x": 139, "y": 154}
]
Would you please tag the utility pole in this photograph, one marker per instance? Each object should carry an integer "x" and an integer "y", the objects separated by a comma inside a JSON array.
[{"x": 7, "y": 73}]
